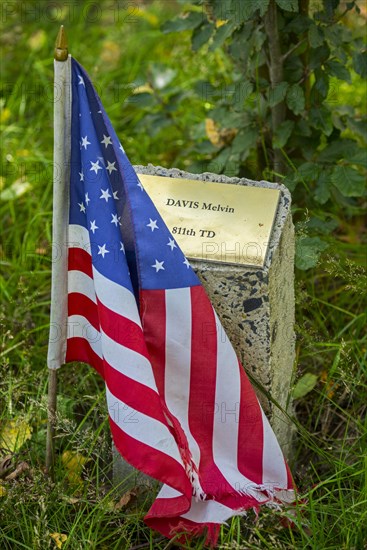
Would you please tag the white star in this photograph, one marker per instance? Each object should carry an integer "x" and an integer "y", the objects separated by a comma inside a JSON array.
[
  {"x": 95, "y": 166},
  {"x": 81, "y": 80},
  {"x": 102, "y": 250},
  {"x": 158, "y": 266},
  {"x": 87, "y": 199},
  {"x": 186, "y": 262},
  {"x": 115, "y": 195},
  {"x": 122, "y": 248},
  {"x": 115, "y": 219},
  {"x": 111, "y": 167},
  {"x": 93, "y": 226},
  {"x": 171, "y": 243},
  {"x": 81, "y": 176},
  {"x": 84, "y": 142},
  {"x": 152, "y": 224},
  {"x": 81, "y": 206},
  {"x": 106, "y": 141},
  {"x": 99, "y": 112},
  {"x": 139, "y": 184},
  {"x": 105, "y": 194}
]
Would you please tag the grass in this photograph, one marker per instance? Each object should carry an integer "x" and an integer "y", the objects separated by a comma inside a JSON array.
[{"x": 329, "y": 464}]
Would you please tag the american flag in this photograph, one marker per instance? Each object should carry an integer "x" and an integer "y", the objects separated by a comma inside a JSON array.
[{"x": 180, "y": 405}]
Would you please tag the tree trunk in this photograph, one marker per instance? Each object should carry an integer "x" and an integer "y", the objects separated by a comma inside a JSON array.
[{"x": 276, "y": 76}]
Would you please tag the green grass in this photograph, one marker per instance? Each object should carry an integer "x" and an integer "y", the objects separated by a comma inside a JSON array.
[{"x": 329, "y": 464}]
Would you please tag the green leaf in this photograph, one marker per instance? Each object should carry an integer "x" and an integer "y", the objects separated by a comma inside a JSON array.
[
  {"x": 308, "y": 172},
  {"x": 318, "y": 56},
  {"x": 277, "y": 94},
  {"x": 244, "y": 141},
  {"x": 320, "y": 118},
  {"x": 338, "y": 149},
  {"x": 201, "y": 35},
  {"x": 360, "y": 63},
  {"x": 349, "y": 181},
  {"x": 296, "y": 99},
  {"x": 337, "y": 69},
  {"x": 359, "y": 158},
  {"x": 288, "y": 5},
  {"x": 305, "y": 385},
  {"x": 322, "y": 191},
  {"x": 222, "y": 33},
  {"x": 183, "y": 23},
  {"x": 308, "y": 250},
  {"x": 358, "y": 127},
  {"x": 282, "y": 134},
  {"x": 261, "y": 5},
  {"x": 315, "y": 36}
]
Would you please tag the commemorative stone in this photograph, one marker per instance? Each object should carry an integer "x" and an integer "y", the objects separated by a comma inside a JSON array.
[{"x": 238, "y": 236}]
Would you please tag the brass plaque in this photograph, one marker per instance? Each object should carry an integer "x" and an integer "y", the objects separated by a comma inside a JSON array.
[{"x": 214, "y": 221}]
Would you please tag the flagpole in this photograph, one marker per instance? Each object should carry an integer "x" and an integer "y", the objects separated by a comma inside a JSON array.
[{"x": 60, "y": 161}]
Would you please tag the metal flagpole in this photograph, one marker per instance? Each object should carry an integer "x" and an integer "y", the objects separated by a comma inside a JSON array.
[{"x": 61, "y": 168}]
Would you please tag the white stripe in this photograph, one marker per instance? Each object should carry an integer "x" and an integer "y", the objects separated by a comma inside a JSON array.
[
  {"x": 79, "y": 237},
  {"x": 168, "y": 492},
  {"x": 210, "y": 511},
  {"x": 274, "y": 468},
  {"x": 141, "y": 427},
  {"x": 80, "y": 327},
  {"x": 178, "y": 361},
  {"x": 81, "y": 283},
  {"x": 116, "y": 297},
  {"x": 128, "y": 362},
  {"x": 227, "y": 415},
  {"x": 112, "y": 295}
]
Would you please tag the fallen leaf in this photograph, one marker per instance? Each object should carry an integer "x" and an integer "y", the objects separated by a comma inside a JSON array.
[
  {"x": 125, "y": 499},
  {"x": 2, "y": 489},
  {"x": 59, "y": 538},
  {"x": 21, "y": 467},
  {"x": 14, "y": 433}
]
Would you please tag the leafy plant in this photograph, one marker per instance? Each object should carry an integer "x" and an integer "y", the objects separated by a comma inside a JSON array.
[{"x": 279, "y": 101}]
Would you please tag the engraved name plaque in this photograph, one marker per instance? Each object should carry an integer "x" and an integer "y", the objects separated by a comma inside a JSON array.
[{"x": 215, "y": 222}]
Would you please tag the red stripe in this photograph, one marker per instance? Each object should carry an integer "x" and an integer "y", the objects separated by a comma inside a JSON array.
[
  {"x": 170, "y": 525},
  {"x": 80, "y": 260},
  {"x": 202, "y": 390},
  {"x": 79, "y": 349},
  {"x": 250, "y": 432},
  {"x": 122, "y": 330},
  {"x": 135, "y": 395},
  {"x": 79, "y": 304},
  {"x": 153, "y": 316},
  {"x": 151, "y": 461}
]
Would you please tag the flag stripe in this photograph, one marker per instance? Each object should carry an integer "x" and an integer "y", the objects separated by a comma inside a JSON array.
[
  {"x": 81, "y": 283},
  {"x": 81, "y": 327},
  {"x": 142, "y": 427},
  {"x": 153, "y": 313},
  {"x": 178, "y": 361},
  {"x": 78, "y": 349},
  {"x": 127, "y": 361},
  {"x": 153, "y": 462},
  {"x": 122, "y": 330},
  {"x": 78, "y": 304},
  {"x": 134, "y": 394}
]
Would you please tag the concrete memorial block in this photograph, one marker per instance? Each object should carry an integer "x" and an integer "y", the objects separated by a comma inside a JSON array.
[{"x": 240, "y": 242}]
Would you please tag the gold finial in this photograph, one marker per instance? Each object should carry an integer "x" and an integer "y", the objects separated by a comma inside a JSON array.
[{"x": 61, "y": 46}]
